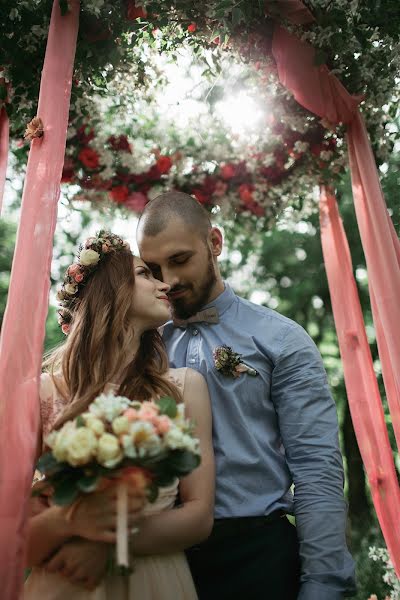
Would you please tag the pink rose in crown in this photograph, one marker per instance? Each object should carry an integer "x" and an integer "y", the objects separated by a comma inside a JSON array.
[{"x": 74, "y": 269}]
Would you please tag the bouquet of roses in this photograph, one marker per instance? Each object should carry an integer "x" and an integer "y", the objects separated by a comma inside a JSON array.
[{"x": 115, "y": 438}]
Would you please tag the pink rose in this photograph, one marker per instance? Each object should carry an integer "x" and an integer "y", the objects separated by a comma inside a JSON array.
[
  {"x": 73, "y": 269},
  {"x": 105, "y": 247},
  {"x": 162, "y": 424},
  {"x": 147, "y": 414},
  {"x": 131, "y": 414},
  {"x": 65, "y": 327},
  {"x": 78, "y": 277}
]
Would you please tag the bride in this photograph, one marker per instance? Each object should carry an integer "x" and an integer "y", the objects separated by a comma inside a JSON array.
[{"x": 111, "y": 309}]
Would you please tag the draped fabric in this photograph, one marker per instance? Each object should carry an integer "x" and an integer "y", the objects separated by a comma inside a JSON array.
[
  {"x": 4, "y": 136},
  {"x": 382, "y": 253},
  {"x": 24, "y": 321},
  {"x": 361, "y": 384},
  {"x": 315, "y": 88}
]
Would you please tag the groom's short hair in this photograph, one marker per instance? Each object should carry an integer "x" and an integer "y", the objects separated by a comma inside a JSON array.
[{"x": 160, "y": 211}]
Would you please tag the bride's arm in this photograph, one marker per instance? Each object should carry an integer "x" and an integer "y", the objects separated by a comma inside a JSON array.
[
  {"x": 94, "y": 518},
  {"x": 179, "y": 528}
]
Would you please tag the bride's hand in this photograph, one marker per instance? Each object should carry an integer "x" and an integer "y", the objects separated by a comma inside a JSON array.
[{"x": 95, "y": 515}]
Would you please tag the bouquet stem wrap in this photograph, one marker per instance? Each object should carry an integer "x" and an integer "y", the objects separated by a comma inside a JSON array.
[{"x": 122, "y": 524}]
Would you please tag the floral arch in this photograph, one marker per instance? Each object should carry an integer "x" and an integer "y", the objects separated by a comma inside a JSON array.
[{"x": 318, "y": 61}]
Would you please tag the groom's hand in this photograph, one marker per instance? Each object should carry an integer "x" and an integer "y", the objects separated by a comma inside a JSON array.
[{"x": 82, "y": 562}]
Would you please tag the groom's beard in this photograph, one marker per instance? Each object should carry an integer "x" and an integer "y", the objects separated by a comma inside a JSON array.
[{"x": 199, "y": 293}]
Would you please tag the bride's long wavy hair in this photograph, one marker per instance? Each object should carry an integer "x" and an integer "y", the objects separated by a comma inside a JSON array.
[{"x": 101, "y": 336}]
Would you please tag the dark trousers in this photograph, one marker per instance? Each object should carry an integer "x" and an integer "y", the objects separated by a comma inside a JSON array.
[{"x": 247, "y": 558}]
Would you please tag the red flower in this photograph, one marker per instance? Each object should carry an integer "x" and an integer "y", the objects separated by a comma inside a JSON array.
[
  {"x": 164, "y": 164},
  {"x": 68, "y": 170},
  {"x": 246, "y": 193},
  {"x": 120, "y": 142},
  {"x": 316, "y": 149},
  {"x": 89, "y": 158},
  {"x": 201, "y": 196},
  {"x": 119, "y": 193},
  {"x": 135, "y": 12},
  {"x": 227, "y": 171},
  {"x": 85, "y": 134},
  {"x": 192, "y": 27}
]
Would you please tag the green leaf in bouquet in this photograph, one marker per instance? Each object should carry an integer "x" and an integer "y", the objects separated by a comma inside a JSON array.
[
  {"x": 152, "y": 492},
  {"x": 183, "y": 462},
  {"x": 80, "y": 421},
  {"x": 167, "y": 406},
  {"x": 48, "y": 465},
  {"x": 164, "y": 479},
  {"x": 65, "y": 491},
  {"x": 88, "y": 483}
]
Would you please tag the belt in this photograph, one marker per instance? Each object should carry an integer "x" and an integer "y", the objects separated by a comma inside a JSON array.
[{"x": 234, "y": 525}]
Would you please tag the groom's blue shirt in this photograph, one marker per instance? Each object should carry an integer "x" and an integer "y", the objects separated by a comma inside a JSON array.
[{"x": 273, "y": 430}]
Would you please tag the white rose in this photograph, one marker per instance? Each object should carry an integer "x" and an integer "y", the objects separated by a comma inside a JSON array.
[
  {"x": 174, "y": 438},
  {"x": 89, "y": 257},
  {"x": 95, "y": 424},
  {"x": 81, "y": 447},
  {"x": 109, "y": 452},
  {"x": 71, "y": 289},
  {"x": 120, "y": 425},
  {"x": 144, "y": 438}
]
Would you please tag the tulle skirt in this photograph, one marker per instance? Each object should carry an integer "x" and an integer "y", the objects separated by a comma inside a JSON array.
[{"x": 164, "y": 577}]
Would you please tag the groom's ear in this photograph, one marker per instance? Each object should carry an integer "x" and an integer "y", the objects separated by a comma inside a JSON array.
[{"x": 216, "y": 241}]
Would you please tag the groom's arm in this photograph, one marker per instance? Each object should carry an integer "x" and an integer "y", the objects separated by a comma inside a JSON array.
[{"x": 309, "y": 430}]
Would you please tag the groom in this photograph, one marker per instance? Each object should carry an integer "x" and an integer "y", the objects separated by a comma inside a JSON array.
[{"x": 275, "y": 424}]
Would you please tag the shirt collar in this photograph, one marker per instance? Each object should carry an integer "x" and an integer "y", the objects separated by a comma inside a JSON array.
[{"x": 223, "y": 301}]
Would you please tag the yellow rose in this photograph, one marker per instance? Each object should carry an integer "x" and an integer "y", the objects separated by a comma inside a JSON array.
[
  {"x": 120, "y": 425},
  {"x": 89, "y": 257},
  {"x": 59, "y": 441},
  {"x": 82, "y": 446},
  {"x": 95, "y": 424},
  {"x": 109, "y": 452}
]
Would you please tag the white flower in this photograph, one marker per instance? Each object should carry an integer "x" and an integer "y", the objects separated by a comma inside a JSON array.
[
  {"x": 82, "y": 445},
  {"x": 174, "y": 438},
  {"x": 109, "y": 452},
  {"x": 89, "y": 257},
  {"x": 120, "y": 425},
  {"x": 58, "y": 441},
  {"x": 71, "y": 289},
  {"x": 94, "y": 423},
  {"x": 145, "y": 439},
  {"x": 326, "y": 155},
  {"x": 108, "y": 406}
]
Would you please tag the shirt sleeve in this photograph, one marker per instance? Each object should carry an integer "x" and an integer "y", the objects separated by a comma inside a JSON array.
[{"x": 309, "y": 429}]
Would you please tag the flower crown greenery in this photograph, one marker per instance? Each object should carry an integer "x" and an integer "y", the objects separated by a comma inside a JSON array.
[{"x": 90, "y": 254}]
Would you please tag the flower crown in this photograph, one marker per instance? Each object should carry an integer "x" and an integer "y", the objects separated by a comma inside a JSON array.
[{"x": 90, "y": 254}]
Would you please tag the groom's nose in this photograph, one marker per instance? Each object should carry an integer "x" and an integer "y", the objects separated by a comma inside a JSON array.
[{"x": 169, "y": 277}]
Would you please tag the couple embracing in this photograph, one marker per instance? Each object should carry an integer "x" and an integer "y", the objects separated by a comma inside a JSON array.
[{"x": 254, "y": 385}]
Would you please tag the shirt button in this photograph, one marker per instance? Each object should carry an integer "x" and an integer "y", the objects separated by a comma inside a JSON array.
[{"x": 195, "y": 331}]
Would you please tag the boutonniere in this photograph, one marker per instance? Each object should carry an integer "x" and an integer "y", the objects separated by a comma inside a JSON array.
[{"x": 230, "y": 363}]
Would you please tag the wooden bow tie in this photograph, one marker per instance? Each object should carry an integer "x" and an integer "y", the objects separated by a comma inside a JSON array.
[{"x": 209, "y": 315}]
